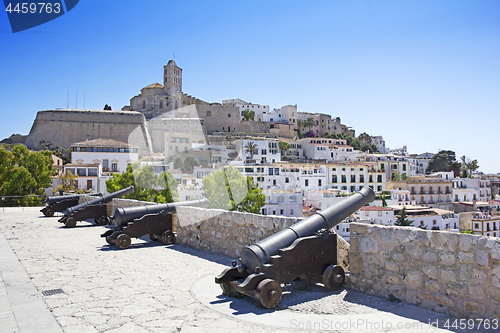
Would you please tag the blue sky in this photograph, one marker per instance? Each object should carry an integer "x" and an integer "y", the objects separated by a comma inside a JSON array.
[{"x": 425, "y": 74}]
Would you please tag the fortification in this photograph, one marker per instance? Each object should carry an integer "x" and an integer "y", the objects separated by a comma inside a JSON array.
[{"x": 62, "y": 127}]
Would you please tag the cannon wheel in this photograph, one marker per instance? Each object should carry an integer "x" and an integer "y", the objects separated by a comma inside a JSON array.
[
  {"x": 108, "y": 240},
  {"x": 70, "y": 222},
  {"x": 49, "y": 213},
  {"x": 103, "y": 220},
  {"x": 123, "y": 241},
  {"x": 168, "y": 237},
  {"x": 333, "y": 277},
  {"x": 268, "y": 294},
  {"x": 153, "y": 237}
]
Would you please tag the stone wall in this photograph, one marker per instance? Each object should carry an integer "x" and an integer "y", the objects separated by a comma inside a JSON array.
[
  {"x": 447, "y": 272},
  {"x": 224, "y": 232},
  {"x": 61, "y": 128}
]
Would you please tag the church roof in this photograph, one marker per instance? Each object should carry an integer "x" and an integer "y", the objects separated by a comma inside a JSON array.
[{"x": 154, "y": 85}]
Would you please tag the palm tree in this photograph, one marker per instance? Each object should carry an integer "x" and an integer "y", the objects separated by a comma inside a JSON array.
[
  {"x": 251, "y": 149},
  {"x": 309, "y": 122}
]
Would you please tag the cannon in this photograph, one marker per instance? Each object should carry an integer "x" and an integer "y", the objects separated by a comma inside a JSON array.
[
  {"x": 154, "y": 220},
  {"x": 307, "y": 249},
  {"x": 60, "y": 203},
  {"x": 95, "y": 209}
]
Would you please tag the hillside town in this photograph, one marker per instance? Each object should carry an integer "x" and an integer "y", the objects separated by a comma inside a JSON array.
[{"x": 302, "y": 161}]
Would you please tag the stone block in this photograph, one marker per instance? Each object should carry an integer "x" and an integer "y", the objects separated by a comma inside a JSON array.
[
  {"x": 430, "y": 271},
  {"x": 401, "y": 234},
  {"x": 466, "y": 258},
  {"x": 386, "y": 235},
  {"x": 414, "y": 280},
  {"x": 447, "y": 259},
  {"x": 465, "y": 273},
  {"x": 452, "y": 241},
  {"x": 430, "y": 256},
  {"x": 476, "y": 292},
  {"x": 394, "y": 279},
  {"x": 368, "y": 245},
  {"x": 482, "y": 257},
  {"x": 473, "y": 308},
  {"x": 392, "y": 266},
  {"x": 478, "y": 276},
  {"x": 449, "y": 276},
  {"x": 495, "y": 249},
  {"x": 432, "y": 285},
  {"x": 436, "y": 239},
  {"x": 360, "y": 228},
  {"x": 466, "y": 242},
  {"x": 495, "y": 281},
  {"x": 398, "y": 256}
]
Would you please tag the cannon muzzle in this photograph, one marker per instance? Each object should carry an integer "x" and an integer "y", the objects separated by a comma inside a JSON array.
[
  {"x": 55, "y": 199},
  {"x": 253, "y": 257},
  {"x": 102, "y": 200},
  {"x": 122, "y": 216}
]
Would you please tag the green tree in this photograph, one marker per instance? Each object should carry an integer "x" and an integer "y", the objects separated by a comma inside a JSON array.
[
  {"x": 309, "y": 123},
  {"x": 146, "y": 184},
  {"x": 468, "y": 166},
  {"x": 402, "y": 219},
  {"x": 248, "y": 115},
  {"x": 67, "y": 182},
  {"x": 251, "y": 149},
  {"x": 178, "y": 163},
  {"x": 24, "y": 172},
  {"x": 364, "y": 137},
  {"x": 445, "y": 160},
  {"x": 229, "y": 189},
  {"x": 189, "y": 163},
  {"x": 284, "y": 146}
]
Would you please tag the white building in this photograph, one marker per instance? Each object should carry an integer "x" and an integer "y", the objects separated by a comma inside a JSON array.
[
  {"x": 112, "y": 155},
  {"x": 429, "y": 218},
  {"x": 89, "y": 176},
  {"x": 471, "y": 189},
  {"x": 379, "y": 142},
  {"x": 485, "y": 224},
  {"x": 258, "y": 109},
  {"x": 376, "y": 215},
  {"x": 267, "y": 151},
  {"x": 282, "y": 203}
]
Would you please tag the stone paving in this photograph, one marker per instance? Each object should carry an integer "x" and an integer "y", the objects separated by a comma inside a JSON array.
[{"x": 149, "y": 287}]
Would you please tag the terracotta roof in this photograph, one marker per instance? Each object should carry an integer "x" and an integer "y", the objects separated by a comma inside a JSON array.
[
  {"x": 102, "y": 143},
  {"x": 374, "y": 208},
  {"x": 154, "y": 85}
]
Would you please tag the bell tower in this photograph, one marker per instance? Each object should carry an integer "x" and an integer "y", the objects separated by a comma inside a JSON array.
[{"x": 172, "y": 84}]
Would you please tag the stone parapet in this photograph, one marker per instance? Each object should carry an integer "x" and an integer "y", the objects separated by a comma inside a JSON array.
[{"x": 446, "y": 272}]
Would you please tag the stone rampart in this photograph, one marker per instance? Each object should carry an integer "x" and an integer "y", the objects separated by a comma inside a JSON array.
[
  {"x": 61, "y": 128},
  {"x": 447, "y": 272}
]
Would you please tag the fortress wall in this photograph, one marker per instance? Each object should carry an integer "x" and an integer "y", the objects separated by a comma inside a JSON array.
[
  {"x": 65, "y": 127},
  {"x": 446, "y": 272}
]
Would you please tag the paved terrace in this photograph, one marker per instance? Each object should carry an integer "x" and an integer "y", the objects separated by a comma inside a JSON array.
[{"x": 54, "y": 279}]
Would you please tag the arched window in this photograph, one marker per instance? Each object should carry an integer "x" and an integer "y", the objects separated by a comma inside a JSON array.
[
  {"x": 143, "y": 103},
  {"x": 161, "y": 104}
]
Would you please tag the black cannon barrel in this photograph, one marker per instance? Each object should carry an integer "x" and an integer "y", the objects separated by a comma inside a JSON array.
[
  {"x": 258, "y": 254},
  {"x": 104, "y": 199},
  {"x": 122, "y": 216},
  {"x": 55, "y": 199}
]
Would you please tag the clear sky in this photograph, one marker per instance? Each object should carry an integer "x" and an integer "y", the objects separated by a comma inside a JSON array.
[{"x": 423, "y": 73}]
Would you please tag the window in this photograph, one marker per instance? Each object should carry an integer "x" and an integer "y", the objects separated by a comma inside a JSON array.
[
  {"x": 276, "y": 171},
  {"x": 274, "y": 182},
  {"x": 434, "y": 222},
  {"x": 270, "y": 171},
  {"x": 334, "y": 178},
  {"x": 319, "y": 182},
  {"x": 291, "y": 213},
  {"x": 293, "y": 198},
  {"x": 344, "y": 179},
  {"x": 81, "y": 172},
  {"x": 161, "y": 104},
  {"x": 287, "y": 180},
  {"x": 264, "y": 211},
  {"x": 105, "y": 165},
  {"x": 114, "y": 167},
  {"x": 361, "y": 178},
  {"x": 307, "y": 182},
  {"x": 379, "y": 178},
  {"x": 370, "y": 179},
  {"x": 209, "y": 113},
  {"x": 264, "y": 152},
  {"x": 281, "y": 199},
  {"x": 353, "y": 178},
  {"x": 229, "y": 115},
  {"x": 260, "y": 179},
  {"x": 92, "y": 172},
  {"x": 282, "y": 212}
]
